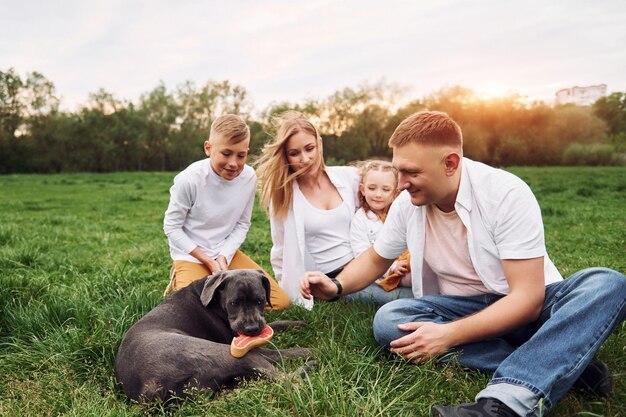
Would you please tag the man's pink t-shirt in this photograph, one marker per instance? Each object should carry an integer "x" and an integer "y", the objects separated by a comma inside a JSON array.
[{"x": 447, "y": 254}]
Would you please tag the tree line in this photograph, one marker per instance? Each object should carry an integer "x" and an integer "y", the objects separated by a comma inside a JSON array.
[{"x": 165, "y": 128}]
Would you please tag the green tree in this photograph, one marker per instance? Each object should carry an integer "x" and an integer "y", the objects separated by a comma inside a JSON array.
[
  {"x": 612, "y": 109},
  {"x": 160, "y": 111},
  {"x": 11, "y": 107}
]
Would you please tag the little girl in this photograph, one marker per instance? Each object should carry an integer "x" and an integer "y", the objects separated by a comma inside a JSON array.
[{"x": 377, "y": 190}]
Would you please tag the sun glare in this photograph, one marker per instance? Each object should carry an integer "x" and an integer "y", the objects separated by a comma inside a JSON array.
[{"x": 491, "y": 92}]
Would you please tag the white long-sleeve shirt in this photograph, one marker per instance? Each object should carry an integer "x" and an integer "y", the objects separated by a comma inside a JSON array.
[{"x": 207, "y": 211}]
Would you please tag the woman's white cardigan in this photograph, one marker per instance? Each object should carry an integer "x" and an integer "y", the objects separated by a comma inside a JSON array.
[{"x": 289, "y": 257}]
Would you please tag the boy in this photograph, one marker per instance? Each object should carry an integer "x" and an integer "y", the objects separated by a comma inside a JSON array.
[{"x": 211, "y": 202}]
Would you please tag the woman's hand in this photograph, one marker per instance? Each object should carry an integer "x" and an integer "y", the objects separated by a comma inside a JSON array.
[{"x": 318, "y": 285}]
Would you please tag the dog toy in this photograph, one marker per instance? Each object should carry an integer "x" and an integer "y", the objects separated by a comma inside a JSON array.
[{"x": 242, "y": 343}]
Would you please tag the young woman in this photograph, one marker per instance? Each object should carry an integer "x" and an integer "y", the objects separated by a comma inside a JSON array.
[{"x": 310, "y": 205}]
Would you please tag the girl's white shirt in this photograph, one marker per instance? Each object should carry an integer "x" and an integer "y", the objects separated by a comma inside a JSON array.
[
  {"x": 289, "y": 256},
  {"x": 363, "y": 231}
]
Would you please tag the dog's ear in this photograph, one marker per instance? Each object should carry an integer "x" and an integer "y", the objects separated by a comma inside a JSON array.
[
  {"x": 212, "y": 283},
  {"x": 266, "y": 284}
]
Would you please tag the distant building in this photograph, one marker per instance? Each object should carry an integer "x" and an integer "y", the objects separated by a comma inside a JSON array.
[{"x": 583, "y": 96}]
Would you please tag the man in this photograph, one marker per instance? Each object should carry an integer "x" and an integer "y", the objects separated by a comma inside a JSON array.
[{"x": 484, "y": 284}]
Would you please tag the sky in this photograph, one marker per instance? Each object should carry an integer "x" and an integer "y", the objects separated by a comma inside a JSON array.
[{"x": 282, "y": 50}]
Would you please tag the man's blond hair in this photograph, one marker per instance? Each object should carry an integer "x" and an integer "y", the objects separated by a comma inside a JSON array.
[
  {"x": 428, "y": 128},
  {"x": 230, "y": 128}
]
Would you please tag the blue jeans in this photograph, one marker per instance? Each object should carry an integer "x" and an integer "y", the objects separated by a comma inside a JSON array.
[
  {"x": 375, "y": 294},
  {"x": 536, "y": 364}
]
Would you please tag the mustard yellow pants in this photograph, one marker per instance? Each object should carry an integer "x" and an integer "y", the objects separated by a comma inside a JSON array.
[{"x": 185, "y": 272}]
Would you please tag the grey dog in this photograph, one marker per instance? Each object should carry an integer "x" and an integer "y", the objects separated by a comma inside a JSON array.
[{"x": 184, "y": 342}]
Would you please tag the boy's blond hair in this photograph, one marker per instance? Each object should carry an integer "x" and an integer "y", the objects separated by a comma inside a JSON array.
[
  {"x": 230, "y": 128},
  {"x": 428, "y": 128}
]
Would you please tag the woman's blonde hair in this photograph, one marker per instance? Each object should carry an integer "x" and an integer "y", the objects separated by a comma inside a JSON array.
[
  {"x": 273, "y": 170},
  {"x": 376, "y": 165}
]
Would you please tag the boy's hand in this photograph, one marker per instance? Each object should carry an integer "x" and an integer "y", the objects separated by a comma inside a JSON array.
[
  {"x": 221, "y": 261},
  {"x": 213, "y": 266}
]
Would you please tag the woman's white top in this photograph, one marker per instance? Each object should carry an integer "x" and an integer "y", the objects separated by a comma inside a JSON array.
[
  {"x": 289, "y": 256},
  {"x": 207, "y": 211},
  {"x": 327, "y": 234}
]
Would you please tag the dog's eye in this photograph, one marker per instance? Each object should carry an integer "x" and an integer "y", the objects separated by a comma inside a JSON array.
[
  {"x": 259, "y": 302},
  {"x": 234, "y": 303}
]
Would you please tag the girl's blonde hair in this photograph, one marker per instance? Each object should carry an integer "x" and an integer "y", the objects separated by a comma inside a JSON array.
[
  {"x": 376, "y": 165},
  {"x": 273, "y": 170}
]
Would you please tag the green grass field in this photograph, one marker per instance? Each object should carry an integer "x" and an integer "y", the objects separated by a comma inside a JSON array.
[{"x": 83, "y": 257}]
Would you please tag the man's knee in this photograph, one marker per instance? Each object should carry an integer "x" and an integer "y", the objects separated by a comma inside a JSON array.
[
  {"x": 387, "y": 319},
  {"x": 603, "y": 280}
]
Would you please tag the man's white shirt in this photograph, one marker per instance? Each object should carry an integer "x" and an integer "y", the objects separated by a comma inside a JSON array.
[{"x": 503, "y": 221}]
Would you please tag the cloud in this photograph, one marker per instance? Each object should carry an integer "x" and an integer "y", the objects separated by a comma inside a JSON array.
[{"x": 286, "y": 50}]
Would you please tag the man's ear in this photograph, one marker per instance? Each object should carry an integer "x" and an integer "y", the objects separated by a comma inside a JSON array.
[
  {"x": 452, "y": 161},
  {"x": 211, "y": 285},
  {"x": 266, "y": 285},
  {"x": 207, "y": 147}
]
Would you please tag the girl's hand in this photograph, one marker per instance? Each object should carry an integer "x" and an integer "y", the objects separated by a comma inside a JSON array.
[{"x": 400, "y": 268}]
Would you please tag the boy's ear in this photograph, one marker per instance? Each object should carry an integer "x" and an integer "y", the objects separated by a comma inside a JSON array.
[{"x": 207, "y": 147}]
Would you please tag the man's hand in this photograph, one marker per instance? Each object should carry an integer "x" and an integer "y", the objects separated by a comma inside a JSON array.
[
  {"x": 427, "y": 341},
  {"x": 318, "y": 285}
]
